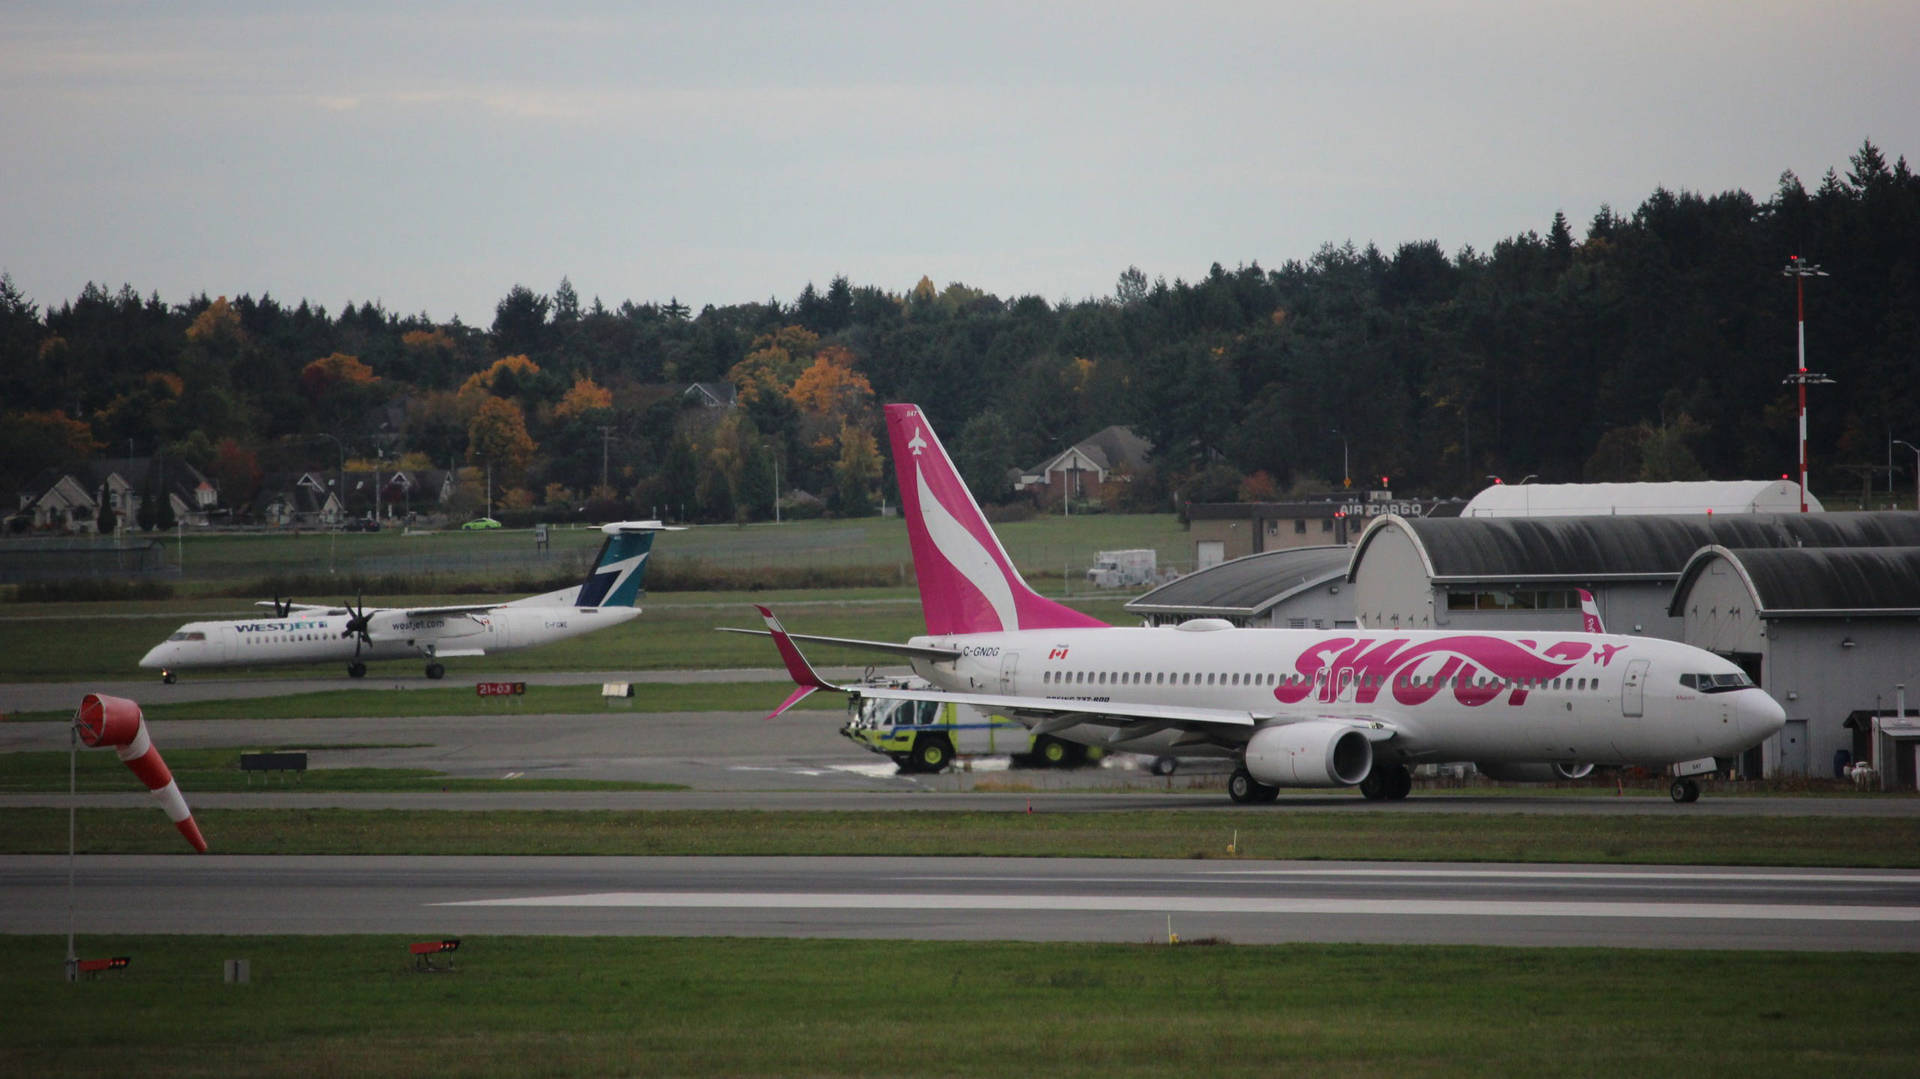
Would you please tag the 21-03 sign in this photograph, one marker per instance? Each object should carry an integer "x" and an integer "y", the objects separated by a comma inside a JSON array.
[{"x": 500, "y": 689}]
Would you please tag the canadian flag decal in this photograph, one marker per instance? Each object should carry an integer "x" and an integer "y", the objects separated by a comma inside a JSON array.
[{"x": 1056, "y": 653}]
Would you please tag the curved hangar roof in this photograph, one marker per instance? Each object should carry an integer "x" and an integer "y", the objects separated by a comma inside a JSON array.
[
  {"x": 1608, "y": 499},
  {"x": 1621, "y": 548},
  {"x": 1808, "y": 582},
  {"x": 1246, "y": 586}
]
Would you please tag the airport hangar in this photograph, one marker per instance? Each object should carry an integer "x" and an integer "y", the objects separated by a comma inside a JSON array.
[{"x": 1822, "y": 610}]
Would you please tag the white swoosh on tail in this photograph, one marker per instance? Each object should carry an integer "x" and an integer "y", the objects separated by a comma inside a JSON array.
[{"x": 960, "y": 548}]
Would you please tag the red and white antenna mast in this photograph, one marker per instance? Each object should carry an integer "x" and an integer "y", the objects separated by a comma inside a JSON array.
[{"x": 1800, "y": 271}]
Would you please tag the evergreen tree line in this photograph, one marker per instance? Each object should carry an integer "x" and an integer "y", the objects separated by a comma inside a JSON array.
[{"x": 1645, "y": 346}]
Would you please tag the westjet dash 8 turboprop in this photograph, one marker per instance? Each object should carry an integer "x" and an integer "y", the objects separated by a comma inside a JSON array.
[
  {"x": 1291, "y": 707},
  {"x": 354, "y": 634}
]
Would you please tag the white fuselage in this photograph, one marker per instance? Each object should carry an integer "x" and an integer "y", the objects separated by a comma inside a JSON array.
[
  {"x": 1496, "y": 697},
  {"x": 321, "y": 636}
]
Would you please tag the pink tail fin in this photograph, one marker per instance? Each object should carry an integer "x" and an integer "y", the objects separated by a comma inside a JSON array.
[
  {"x": 1590, "y": 613},
  {"x": 967, "y": 582}
]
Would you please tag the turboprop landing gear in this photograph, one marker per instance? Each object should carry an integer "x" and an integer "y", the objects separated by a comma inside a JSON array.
[
  {"x": 167, "y": 677},
  {"x": 1388, "y": 784},
  {"x": 1684, "y": 790},
  {"x": 436, "y": 671},
  {"x": 1246, "y": 790},
  {"x": 356, "y": 669}
]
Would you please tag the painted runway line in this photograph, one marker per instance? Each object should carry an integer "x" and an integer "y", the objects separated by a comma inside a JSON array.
[{"x": 1401, "y": 908}]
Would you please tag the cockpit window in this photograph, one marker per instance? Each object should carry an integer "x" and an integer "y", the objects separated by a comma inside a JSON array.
[
  {"x": 1716, "y": 683},
  {"x": 185, "y": 635}
]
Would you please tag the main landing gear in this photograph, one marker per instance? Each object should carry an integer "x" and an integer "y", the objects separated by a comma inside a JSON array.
[
  {"x": 356, "y": 669},
  {"x": 1684, "y": 790},
  {"x": 435, "y": 671},
  {"x": 1246, "y": 790},
  {"x": 1388, "y": 784}
]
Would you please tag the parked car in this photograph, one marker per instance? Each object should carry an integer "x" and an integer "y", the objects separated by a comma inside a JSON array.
[{"x": 481, "y": 522}]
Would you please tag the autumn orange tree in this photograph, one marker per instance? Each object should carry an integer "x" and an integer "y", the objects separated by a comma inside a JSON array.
[
  {"x": 497, "y": 434},
  {"x": 773, "y": 362},
  {"x": 585, "y": 396}
]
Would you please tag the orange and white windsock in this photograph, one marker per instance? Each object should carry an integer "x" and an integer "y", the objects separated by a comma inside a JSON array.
[{"x": 117, "y": 722}]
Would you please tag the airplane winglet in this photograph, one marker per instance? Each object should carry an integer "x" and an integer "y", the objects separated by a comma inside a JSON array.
[
  {"x": 1589, "y": 613},
  {"x": 805, "y": 678}
]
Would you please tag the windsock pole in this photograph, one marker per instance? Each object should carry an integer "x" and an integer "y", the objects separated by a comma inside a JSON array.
[{"x": 73, "y": 797}]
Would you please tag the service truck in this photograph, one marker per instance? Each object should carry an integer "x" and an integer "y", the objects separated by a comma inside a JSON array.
[
  {"x": 925, "y": 736},
  {"x": 1123, "y": 569}
]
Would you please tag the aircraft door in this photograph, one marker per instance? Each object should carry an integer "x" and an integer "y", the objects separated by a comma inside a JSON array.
[
  {"x": 1009, "y": 671},
  {"x": 1633, "y": 691},
  {"x": 1345, "y": 685}
]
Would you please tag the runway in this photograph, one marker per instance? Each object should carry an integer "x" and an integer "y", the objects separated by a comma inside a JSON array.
[{"x": 976, "y": 899}]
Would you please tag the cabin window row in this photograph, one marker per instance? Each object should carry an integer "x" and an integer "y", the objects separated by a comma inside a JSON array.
[{"x": 1375, "y": 681}]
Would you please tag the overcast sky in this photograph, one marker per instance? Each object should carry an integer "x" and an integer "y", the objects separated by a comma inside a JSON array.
[{"x": 430, "y": 158}]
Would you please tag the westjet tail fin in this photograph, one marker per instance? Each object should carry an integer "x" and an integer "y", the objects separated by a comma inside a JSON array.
[
  {"x": 967, "y": 582},
  {"x": 614, "y": 580},
  {"x": 1589, "y": 613}
]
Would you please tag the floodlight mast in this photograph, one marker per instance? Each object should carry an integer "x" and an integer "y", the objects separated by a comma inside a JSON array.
[{"x": 1800, "y": 271}]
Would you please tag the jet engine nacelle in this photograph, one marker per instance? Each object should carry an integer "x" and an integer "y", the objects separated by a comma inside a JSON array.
[
  {"x": 1507, "y": 772},
  {"x": 1317, "y": 753}
]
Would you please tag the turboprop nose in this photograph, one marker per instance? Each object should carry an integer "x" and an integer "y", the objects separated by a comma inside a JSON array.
[
  {"x": 1760, "y": 716},
  {"x": 156, "y": 657}
]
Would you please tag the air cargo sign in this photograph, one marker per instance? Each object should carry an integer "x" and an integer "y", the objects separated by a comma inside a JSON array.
[{"x": 1403, "y": 508}]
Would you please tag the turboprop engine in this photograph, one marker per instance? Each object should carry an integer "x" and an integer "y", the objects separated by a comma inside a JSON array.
[
  {"x": 1507, "y": 772},
  {"x": 1317, "y": 753}
]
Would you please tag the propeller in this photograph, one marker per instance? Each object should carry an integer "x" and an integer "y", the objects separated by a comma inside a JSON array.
[
  {"x": 282, "y": 607},
  {"x": 357, "y": 624}
]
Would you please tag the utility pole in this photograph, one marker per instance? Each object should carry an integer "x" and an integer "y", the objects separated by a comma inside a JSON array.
[{"x": 1800, "y": 271}]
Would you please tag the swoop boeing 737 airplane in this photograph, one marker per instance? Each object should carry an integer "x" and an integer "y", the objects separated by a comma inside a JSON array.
[
  {"x": 1291, "y": 707},
  {"x": 307, "y": 633}
]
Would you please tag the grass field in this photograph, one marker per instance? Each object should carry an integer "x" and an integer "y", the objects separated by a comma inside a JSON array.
[
  {"x": 554, "y": 1006},
  {"x": 1044, "y": 547},
  {"x": 1261, "y": 832},
  {"x": 68, "y": 642}
]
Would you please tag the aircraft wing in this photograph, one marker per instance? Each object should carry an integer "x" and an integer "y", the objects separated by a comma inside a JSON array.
[
  {"x": 291, "y": 607},
  {"x": 1133, "y": 720},
  {"x": 1056, "y": 713},
  {"x": 897, "y": 648},
  {"x": 462, "y": 608}
]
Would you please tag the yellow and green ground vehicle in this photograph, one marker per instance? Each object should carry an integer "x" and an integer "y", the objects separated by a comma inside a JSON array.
[{"x": 925, "y": 736}]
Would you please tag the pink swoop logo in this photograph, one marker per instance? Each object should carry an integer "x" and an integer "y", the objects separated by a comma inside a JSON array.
[{"x": 1415, "y": 673}]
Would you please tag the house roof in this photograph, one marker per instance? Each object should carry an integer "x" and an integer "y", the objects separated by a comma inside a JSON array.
[
  {"x": 1815, "y": 582},
  {"x": 1624, "y": 547},
  {"x": 1110, "y": 448}
]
